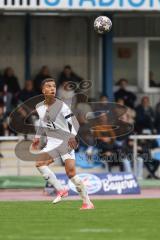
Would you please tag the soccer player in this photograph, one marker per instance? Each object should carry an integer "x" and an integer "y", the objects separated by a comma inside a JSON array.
[{"x": 55, "y": 115}]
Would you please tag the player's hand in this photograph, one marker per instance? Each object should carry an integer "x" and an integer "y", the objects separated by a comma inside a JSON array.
[
  {"x": 72, "y": 143},
  {"x": 35, "y": 144}
]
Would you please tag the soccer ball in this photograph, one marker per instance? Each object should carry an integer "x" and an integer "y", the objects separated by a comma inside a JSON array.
[{"x": 102, "y": 24}]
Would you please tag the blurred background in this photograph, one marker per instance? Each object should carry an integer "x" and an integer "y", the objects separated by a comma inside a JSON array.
[{"x": 42, "y": 38}]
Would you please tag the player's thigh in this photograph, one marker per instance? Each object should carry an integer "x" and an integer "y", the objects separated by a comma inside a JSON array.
[{"x": 70, "y": 167}]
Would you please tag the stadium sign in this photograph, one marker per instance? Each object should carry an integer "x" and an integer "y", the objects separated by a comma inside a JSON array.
[
  {"x": 103, "y": 184},
  {"x": 90, "y": 5}
]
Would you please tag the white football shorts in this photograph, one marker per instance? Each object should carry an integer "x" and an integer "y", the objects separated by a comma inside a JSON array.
[{"x": 55, "y": 151}]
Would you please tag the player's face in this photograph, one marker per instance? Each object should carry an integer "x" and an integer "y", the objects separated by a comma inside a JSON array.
[{"x": 49, "y": 88}]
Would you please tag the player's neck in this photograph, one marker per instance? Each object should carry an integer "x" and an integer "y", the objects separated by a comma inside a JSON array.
[{"x": 49, "y": 100}]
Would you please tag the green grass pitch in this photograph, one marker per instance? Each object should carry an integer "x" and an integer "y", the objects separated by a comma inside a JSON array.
[{"x": 112, "y": 219}]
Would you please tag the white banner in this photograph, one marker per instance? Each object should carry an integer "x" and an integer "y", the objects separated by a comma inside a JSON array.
[{"x": 90, "y": 5}]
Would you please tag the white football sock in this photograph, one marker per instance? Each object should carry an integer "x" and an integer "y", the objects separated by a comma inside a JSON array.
[
  {"x": 49, "y": 176},
  {"x": 81, "y": 189}
]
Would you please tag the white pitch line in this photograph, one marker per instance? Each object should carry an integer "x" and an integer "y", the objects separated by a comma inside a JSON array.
[{"x": 99, "y": 230}]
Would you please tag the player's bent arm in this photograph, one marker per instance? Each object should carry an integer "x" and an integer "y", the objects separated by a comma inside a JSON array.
[
  {"x": 73, "y": 143},
  {"x": 71, "y": 120},
  {"x": 73, "y": 125},
  {"x": 39, "y": 133}
]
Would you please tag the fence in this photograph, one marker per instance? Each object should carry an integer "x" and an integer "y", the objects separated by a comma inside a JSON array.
[
  {"x": 18, "y": 167},
  {"x": 135, "y": 139}
]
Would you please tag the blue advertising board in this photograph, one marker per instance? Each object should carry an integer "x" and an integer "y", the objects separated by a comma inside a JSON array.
[
  {"x": 104, "y": 184},
  {"x": 104, "y": 4},
  {"x": 100, "y": 4},
  {"x": 83, "y": 5}
]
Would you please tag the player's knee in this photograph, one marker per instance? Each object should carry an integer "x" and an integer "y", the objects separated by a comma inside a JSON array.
[
  {"x": 48, "y": 162},
  {"x": 71, "y": 172},
  {"x": 40, "y": 163},
  {"x": 44, "y": 163}
]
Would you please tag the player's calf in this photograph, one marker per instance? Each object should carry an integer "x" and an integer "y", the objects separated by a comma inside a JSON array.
[
  {"x": 71, "y": 173},
  {"x": 49, "y": 176}
]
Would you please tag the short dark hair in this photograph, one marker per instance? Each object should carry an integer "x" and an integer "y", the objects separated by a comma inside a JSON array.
[
  {"x": 46, "y": 80},
  {"x": 122, "y": 80},
  {"x": 102, "y": 95},
  {"x": 67, "y": 66}
]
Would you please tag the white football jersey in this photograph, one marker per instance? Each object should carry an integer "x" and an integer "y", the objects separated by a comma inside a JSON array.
[{"x": 57, "y": 116}]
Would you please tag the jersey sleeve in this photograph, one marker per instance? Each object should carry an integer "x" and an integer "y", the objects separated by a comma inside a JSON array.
[{"x": 71, "y": 120}]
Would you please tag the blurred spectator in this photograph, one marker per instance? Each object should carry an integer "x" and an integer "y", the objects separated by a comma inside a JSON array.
[
  {"x": 130, "y": 114},
  {"x": 152, "y": 81},
  {"x": 85, "y": 137},
  {"x": 11, "y": 81},
  {"x": 83, "y": 106},
  {"x": 65, "y": 93},
  {"x": 86, "y": 155},
  {"x": 144, "y": 115},
  {"x": 103, "y": 99},
  {"x": 43, "y": 74},
  {"x": 3, "y": 121},
  {"x": 128, "y": 97},
  {"x": 27, "y": 91},
  {"x": 81, "y": 111},
  {"x": 128, "y": 159},
  {"x": 105, "y": 136},
  {"x": 5, "y": 97},
  {"x": 10, "y": 88},
  {"x": 1, "y": 83},
  {"x": 157, "y": 117},
  {"x": 67, "y": 75},
  {"x": 100, "y": 106},
  {"x": 144, "y": 149}
]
